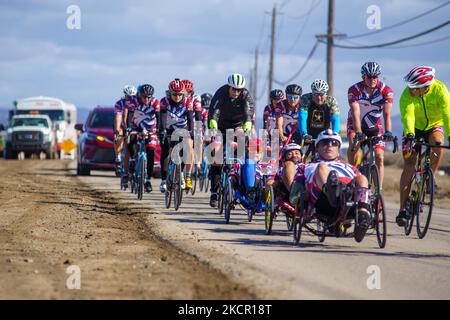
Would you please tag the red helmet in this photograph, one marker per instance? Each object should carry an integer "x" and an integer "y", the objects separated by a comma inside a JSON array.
[
  {"x": 176, "y": 86},
  {"x": 419, "y": 77},
  {"x": 188, "y": 85}
]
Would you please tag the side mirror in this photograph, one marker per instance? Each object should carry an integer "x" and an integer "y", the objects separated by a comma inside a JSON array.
[{"x": 79, "y": 127}]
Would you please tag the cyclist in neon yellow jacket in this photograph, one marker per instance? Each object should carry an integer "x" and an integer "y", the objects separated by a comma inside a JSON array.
[{"x": 425, "y": 111}]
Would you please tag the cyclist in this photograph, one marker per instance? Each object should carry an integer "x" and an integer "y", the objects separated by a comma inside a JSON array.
[
  {"x": 323, "y": 178},
  {"x": 176, "y": 113},
  {"x": 232, "y": 107},
  {"x": 370, "y": 100},
  {"x": 129, "y": 91},
  {"x": 194, "y": 98},
  {"x": 291, "y": 162},
  {"x": 318, "y": 111},
  {"x": 269, "y": 117},
  {"x": 425, "y": 111},
  {"x": 205, "y": 101},
  {"x": 287, "y": 113},
  {"x": 146, "y": 118}
]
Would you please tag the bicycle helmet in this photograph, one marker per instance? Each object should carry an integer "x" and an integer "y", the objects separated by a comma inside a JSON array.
[
  {"x": 328, "y": 134},
  {"x": 236, "y": 81},
  {"x": 420, "y": 76},
  {"x": 290, "y": 147},
  {"x": 146, "y": 90},
  {"x": 370, "y": 69},
  {"x": 294, "y": 89},
  {"x": 176, "y": 86},
  {"x": 206, "y": 99},
  {"x": 188, "y": 85},
  {"x": 319, "y": 86},
  {"x": 129, "y": 90},
  {"x": 276, "y": 94}
]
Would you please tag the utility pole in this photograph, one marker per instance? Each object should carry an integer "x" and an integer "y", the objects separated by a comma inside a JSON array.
[
  {"x": 272, "y": 48},
  {"x": 330, "y": 41},
  {"x": 255, "y": 74}
]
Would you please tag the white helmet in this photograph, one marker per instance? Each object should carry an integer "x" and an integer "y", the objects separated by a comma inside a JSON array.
[
  {"x": 236, "y": 81},
  {"x": 290, "y": 147},
  {"x": 420, "y": 77},
  {"x": 328, "y": 134},
  {"x": 319, "y": 86},
  {"x": 129, "y": 90}
]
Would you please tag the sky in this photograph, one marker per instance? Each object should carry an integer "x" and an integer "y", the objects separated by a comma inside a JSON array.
[{"x": 153, "y": 41}]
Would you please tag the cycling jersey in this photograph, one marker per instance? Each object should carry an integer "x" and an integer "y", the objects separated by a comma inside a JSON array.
[
  {"x": 131, "y": 104},
  {"x": 290, "y": 116},
  {"x": 228, "y": 113},
  {"x": 119, "y": 106},
  {"x": 371, "y": 106},
  {"x": 146, "y": 116},
  {"x": 427, "y": 111},
  {"x": 306, "y": 175},
  {"x": 313, "y": 118},
  {"x": 269, "y": 117},
  {"x": 176, "y": 115}
]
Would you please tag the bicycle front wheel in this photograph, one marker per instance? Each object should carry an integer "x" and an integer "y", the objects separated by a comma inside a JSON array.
[
  {"x": 178, "y": 191},
  {"x": 269, "y": 210},
  {"x": 374, "y": 180},
  {"x": 228, "y": 199},
  {"x": 194, "y": 179},
  {"x": 424, "y": 205},
  {"x": 141, "y": 179},
  {"x": 379, "y": 211}
]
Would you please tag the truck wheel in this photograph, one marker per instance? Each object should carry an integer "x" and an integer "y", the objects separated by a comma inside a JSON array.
[
  {"x": 82, "y": 170},
  {"x": 9, "y": 154}
]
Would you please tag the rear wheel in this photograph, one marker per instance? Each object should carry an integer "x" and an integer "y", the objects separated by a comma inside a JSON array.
[
  {"x": 380, "y": 220},
  {"x": 269, "y": 210},
  {"x": 424, "y": 207},
  {"x": 410, "y": 208},
  {"x": 299, "y": 219}
]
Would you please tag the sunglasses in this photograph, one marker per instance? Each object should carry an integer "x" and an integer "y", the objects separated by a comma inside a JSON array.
[
  {"x": 326, "y": 142},
  {"x": 319, "y": 94},
  {"x": 149, "y": 97},
  {"x": 177, "y": 94},
  {"x": 372, "y": 77},
  {"x": 237, "y": 90},
  {"x": 292, "y": 96}
]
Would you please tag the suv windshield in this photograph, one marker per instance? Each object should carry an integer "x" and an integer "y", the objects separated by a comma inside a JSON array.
[
  {"x": 102, "y": 120},
  {"x": 54, "y": 115},
  {"x": 33, "y": 122}
]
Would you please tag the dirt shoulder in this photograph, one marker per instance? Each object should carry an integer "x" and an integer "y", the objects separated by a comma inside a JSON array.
[{"x": 50, "y": 221}]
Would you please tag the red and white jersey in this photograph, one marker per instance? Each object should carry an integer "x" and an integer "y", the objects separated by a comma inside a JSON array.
[
  {"x": 196, "y": 102},
  {"x": 290, "y": 117},
  {"x": 371, "y": 106},
  {"x": 270, "y": 117}
]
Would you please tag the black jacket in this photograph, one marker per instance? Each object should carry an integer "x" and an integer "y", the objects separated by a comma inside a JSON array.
[{"x": 231, "y": 114}]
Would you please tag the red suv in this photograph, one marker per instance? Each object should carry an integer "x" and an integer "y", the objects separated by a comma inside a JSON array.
[{"x": 96, "y": 143}]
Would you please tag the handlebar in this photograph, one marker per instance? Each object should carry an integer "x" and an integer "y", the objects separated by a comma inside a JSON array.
[{"x": 376, "y": 139}]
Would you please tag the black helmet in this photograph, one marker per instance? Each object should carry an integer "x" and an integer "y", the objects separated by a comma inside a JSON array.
[
  {"x": 146, "y": 90},
  {"x": 294, "y": 89},
  {"x": 276, "y": 94},
  {"x": 206, "y": 99}
]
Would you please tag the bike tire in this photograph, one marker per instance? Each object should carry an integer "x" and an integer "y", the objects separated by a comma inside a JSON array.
[
  {"x": 178, "y": 191},
  {"x": 427, "y": 188},
  {"x": 194, "y": 179},
  {"x": 141, "y": 179},
  {"x": 374, "y": 179},
  {"x": 228, "y": 200},
  {"x": 169, "y": 190},
  {"x": 410, "y": 206},
  {"x": 380, "y": 220},
  {"x": 299, "y": 218},
  {"x": 269, "y": 210}
]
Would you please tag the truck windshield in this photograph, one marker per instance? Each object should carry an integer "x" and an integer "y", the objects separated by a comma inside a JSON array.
[
  {"x": 33, "y": 122},
  {"x": 54, "y": 115},
  {"x": 102, "y": 120}
]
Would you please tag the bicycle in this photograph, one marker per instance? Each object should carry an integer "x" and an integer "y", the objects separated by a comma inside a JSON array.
[
  {"x": 422, "y": 185},
  {"x": 173, "y": 182},
  {"x": 204, "y": 176},
  {"x": 140, "y": 172}
]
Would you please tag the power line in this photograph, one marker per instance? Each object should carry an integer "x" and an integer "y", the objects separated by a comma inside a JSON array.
[
  {"x": 308, "y": 14},
  {"x": 261, "y": 30},
  {"x": 392, "y": 42},
  {"x": 305, "y": 15},
  {"x": 420, "y": 44},
  {"x": 301, "y": 68},
  {"x": 399, "y": 23}
]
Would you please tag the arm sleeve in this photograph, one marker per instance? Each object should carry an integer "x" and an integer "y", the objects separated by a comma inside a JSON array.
[
  {"x": 302, "y": 119},
  {"x": 249, "y": 108},
  {"x": 408, "y": 117},
  {"x": 214, "y": 108},
  {"x": 335, "y": 123}
]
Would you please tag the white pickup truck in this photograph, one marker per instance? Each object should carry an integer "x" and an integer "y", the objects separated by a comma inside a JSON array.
[{"x": 30, "y": 134}]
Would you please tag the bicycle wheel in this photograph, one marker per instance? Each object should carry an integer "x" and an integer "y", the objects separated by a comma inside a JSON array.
[
  {"x": 141, "y": 179},
  {"x": 380, "y": 220},
  {"x": 206, "y": 178},
  {"x": 221, "y": 190},
  {"x": 298, "y": 220},
  {"x": 289, "y": 221},
  {"x": 194, "y": 179},
  {"x": 178, "y": 191},
  {"x": 201, "y": 180},
  {"x": 424, "y": 207},
  {"x": 269, "y": 210},
  {"x": 374, "y": 180},
  {"x": 169, "y": 189},
  {"x": 228, "y": 198},
  {"x": 410, "y": 209}
]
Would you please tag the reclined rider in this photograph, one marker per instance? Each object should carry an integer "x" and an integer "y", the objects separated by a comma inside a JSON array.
[{"x": 324, "y": 179}]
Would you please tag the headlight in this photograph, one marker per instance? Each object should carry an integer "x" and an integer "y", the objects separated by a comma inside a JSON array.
[{"x": 46, "y": 137}]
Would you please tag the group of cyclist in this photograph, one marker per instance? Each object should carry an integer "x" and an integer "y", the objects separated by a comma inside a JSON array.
[{"x": 311, "y": 119}]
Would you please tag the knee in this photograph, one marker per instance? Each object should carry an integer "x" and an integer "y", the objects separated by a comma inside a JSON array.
[
  {"x": 379, "y": 157},
  {"x": 362, "y": 181}
]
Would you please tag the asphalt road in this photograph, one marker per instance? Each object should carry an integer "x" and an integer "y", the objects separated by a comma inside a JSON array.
[{"x": 339, "y": 268}]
